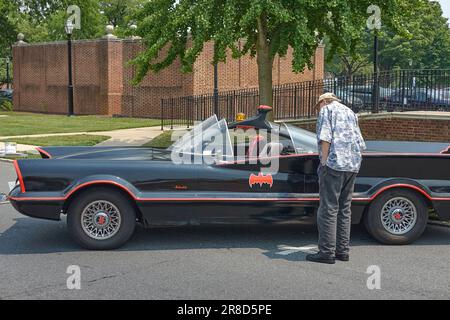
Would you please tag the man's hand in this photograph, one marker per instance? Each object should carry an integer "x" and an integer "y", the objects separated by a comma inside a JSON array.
[{"x": 325, "y": 152}]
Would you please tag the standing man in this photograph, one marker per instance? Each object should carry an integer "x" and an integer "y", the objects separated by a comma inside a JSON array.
[{"x": 340, "y": 146}]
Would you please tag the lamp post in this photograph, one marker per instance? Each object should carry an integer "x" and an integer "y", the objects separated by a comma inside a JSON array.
[
  {"x": 8, "y": 80},
  {"x": 376, "y": 78},
  {"x": 69, "y": 31},
  {"x": 216, "y": 86},
  {"x": 374, "y": 24},
  {"x": 216, "y": 90}
]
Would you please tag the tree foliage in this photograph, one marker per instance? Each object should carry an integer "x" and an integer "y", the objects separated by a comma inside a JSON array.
[
  {"x": 265, "y": 28},
  {"x": 8, "y": 30},
  {"x": 119, "y": 12},
  {"x": 426, "y": 45}
]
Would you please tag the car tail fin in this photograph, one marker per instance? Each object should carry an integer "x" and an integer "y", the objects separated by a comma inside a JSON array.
[
  {"x": 44, "y": 154},
  {"x": 19, "y": 176}
]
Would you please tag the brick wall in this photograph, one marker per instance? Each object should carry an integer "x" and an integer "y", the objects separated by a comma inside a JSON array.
[
  {"x": 102, "y": 78},
  {"x": 243, "y": 72},
  {"x": 399, "y": 127},
  {"x": 41, "y": 77}
]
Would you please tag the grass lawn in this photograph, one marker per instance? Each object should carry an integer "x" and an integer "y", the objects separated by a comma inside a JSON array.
[
  {"x": 164, "y": 140},
  {"x": 76, "y": 140},
  {"x": 30, "y": 156},
  {"x": 21, "y": 123}
]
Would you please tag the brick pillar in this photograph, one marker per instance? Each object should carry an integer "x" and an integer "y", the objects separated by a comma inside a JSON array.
[
  {"x": 111, "y": 80},
  {"x": 17, "y": 57},
  {"x": 319, "y": 63}
]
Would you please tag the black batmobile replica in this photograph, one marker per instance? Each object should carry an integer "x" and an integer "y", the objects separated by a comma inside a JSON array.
[{"x": 105, "y": 191}]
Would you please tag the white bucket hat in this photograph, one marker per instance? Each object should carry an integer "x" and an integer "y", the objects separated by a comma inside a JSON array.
[{"x": 327, "y": 96}]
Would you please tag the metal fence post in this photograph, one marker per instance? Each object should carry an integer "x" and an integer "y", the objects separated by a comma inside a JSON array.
[{"x": 162, "y": 114}]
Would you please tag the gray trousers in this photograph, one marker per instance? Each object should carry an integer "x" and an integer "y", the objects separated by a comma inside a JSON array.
[{"x": 334, "y": 217}]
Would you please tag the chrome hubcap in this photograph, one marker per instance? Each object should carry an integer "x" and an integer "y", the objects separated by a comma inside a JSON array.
[
  {"x": 101, "y": 220},
  {"x": 399, "y": 216}
]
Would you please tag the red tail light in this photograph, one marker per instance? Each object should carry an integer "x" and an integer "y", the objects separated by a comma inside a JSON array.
[{"x": 19, "y": 176}]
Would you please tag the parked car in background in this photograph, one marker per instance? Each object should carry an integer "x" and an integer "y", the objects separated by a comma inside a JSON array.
[
  {"x": 427, "y": 99},
  {"x": 343, "y": 93},
  {"x": 353, "y": 102},
  {"x": 359, "y": 97},
  {"x": 6, "y": 94},
  {"x": 365, "y": 93}
]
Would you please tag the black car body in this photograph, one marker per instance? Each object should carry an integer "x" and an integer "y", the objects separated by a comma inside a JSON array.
[{"x": 147, "y": 185}]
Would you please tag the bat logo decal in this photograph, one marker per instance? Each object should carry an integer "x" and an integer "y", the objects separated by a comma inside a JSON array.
[{"x": 261, "y": 179}]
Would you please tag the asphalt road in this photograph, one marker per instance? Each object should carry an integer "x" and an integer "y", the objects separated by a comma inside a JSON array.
[{"x": 212, "y": 262}]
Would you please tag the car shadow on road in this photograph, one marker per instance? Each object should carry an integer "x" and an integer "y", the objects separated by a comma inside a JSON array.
[{"x": 30, "y": 236}]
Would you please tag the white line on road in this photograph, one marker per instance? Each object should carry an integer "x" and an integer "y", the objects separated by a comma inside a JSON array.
[{"x": 287, "y": 250}]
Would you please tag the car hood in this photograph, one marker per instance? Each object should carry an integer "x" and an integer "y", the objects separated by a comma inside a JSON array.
[
  {"x": 407, "y": 147},
  {"x": 105, "y": 153}
]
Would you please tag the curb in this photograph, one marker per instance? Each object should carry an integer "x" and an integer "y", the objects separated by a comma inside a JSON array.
[
  {"x": 439, "y": 223},
  {"x": 6, "y": 160}
]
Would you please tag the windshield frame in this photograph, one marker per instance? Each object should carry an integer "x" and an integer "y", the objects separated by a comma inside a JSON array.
[
  {"x": 203, "y": 137},
  {"x": 298, "y": 140}
]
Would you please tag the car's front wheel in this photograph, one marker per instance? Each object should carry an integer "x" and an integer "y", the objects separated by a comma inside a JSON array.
[
  {"x": 397, "y": 217},
  {"x": 101, "y": 219}
]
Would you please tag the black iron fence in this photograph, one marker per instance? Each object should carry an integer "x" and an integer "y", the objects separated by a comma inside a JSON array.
[
  {"x": 402, "y": 90},
  {"x": 5, "y": 72}
]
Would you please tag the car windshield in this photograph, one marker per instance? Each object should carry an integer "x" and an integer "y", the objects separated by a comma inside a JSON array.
[
  {"x": 197, "y": 129},
  {"x": 210, "y": 137},
  {"x": 303, "y": 141}
]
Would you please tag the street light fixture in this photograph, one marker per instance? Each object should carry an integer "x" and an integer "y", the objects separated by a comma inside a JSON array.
[{"x": 69, "y": 31}]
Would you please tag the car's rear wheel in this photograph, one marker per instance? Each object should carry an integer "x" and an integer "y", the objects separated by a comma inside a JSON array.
[
  {"x": 101, "y": 219},
  {"x": 397, "y": 217}
]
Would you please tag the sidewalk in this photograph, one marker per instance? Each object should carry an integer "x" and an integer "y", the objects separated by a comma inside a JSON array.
[{"x": 121, "y": 138}]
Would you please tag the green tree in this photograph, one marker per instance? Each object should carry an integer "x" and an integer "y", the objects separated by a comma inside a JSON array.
[
  {"x": 42, "y": 20},
  {"x": 8, "y": 35},
  {"x": 39, "y": 10},
  {"x": 266, "y": 27},
  {"x": 343, "y": 63},
  {"x": 8, "y": 29},
  {"x": 92, "y": 21},
  {"x": 426, "y": 45},
  {"x": 119, "y": 12}
]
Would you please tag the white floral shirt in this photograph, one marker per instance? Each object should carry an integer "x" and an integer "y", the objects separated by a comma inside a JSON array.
[{"x": 338, "y": 125}]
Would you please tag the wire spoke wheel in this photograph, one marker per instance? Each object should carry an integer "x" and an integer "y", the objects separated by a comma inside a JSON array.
[
  {"x": 399, "y": 216},
  {"x": 101, "y": 220}
]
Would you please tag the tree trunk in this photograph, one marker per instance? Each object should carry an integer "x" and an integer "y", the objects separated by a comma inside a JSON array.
[{"x": 265, "y": 65}]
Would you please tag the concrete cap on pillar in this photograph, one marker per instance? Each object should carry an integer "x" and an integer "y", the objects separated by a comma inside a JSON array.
[{"x": 109, "y": 32}]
